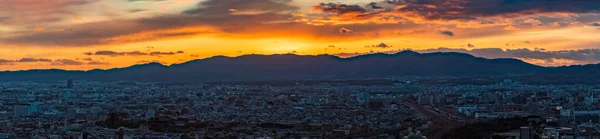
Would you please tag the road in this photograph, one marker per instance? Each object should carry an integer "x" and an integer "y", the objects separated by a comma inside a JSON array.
[{"x": 442, "y": 122}]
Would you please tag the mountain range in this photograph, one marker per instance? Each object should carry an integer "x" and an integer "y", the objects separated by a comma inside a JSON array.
[{"x": 320, "y": 67}]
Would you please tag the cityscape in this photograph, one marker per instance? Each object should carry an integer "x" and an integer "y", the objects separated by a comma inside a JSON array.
[
  {"x": 299, "y": 69},
  {"x": 398, "y": 109}
]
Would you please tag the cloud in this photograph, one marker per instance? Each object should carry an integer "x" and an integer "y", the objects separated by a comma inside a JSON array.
[
  {"x": 473, "y": 9},
  {"x": 460, "y": 13},
  {"x": 344, "y": 30},
  {"x": 160, "y": 53},
  {"x": 24, "y": 60},
  {"x": 33, "y": 60},
  {"x": 596, "y": 24},
  {"x": 446, "y": 32},
  {"x": 470, "y": 45},
  {"x": 131, "y": 53},
  {"x": 151, "y": 61},
  {"x": 533, "y": 22},
  {"x": 23, "y": 12},
  {"x": 221, "y": 7},
  {"x": 38, "y": 29},
  {"x": 97, "y": 63},
  {"x": 338, "y": 8},
  {"x": 66, "y": 62},
  {"x": 5, "y": 62},
  {"x": 381, "y": 45},
  {"x": 57, "y": 62},
  {"x": 511, "y": 27},
  {"x": 208, "y": 17}
]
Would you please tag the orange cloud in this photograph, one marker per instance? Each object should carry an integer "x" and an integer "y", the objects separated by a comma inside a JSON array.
[{"x": 38, "y": 29}]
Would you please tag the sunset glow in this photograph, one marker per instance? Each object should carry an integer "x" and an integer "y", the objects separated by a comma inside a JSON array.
[{"x": 91, "y": 34}]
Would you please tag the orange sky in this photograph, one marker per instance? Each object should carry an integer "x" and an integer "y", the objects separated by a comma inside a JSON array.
[{"x": 90, "y": 34}]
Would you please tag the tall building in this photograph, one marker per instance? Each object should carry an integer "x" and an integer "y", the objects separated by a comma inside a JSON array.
[
  {"x": 525, "y": 132},
  {"x": 150, "y": 114},
  {"x": 34, "y": 108},
  {"x": 22, "y": 110},
  {"x": 363, "y": 97},
  {"x": 70, "y": 84}
]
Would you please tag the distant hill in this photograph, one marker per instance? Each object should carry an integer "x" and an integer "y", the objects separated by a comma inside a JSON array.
[{"x": 295, "y": 67}]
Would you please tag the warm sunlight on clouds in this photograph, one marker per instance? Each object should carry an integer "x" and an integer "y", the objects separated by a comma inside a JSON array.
[{"x": 89, "y": 34}]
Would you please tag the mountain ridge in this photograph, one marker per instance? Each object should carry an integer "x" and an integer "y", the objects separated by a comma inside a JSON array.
[{"x": 293, "y": 67}]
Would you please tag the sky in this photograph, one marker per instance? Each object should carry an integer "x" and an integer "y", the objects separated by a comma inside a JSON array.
[{"x": 104, "y": 34}]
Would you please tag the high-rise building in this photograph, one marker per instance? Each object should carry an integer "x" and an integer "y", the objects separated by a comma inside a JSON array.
[
  {"x": 363, "y": 97},
  {"x": 22, "y": 110},
  {"x": 70, "y": 84},
  {"x": 525, "y": 132},
  {"x": 34, "y": 108},
  {"x": 150, "y": 114}
]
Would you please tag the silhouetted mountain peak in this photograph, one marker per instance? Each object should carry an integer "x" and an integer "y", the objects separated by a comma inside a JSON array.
[{"x": 291, "y": 66}]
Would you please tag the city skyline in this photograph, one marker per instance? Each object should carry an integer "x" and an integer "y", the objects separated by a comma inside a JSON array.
[{"x": 93, "y": 34}]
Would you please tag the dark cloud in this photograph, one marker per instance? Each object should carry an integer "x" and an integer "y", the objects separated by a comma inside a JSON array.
[
  {"x": 5, "y": 62},
  {"x": 440, "y": 11},
  {"x": 160, "y": 53},
  {"x": 151, "y": 61},
  {"x": 57, "y": 62},
  {"x": 596, "y": 24},
  {"x": 24, "y": 60},
  {"x": 208, "y": 13},
  {"x": 97, "y": 63},
  {"x": 470, "y": 45},
  {"x": 132, "y": 53},
  {"x": 66, "y": 62},
  {"x": 339, "y": 8},
  {"x": 135, "y": 10},
  {"x": 88, "y": 53},
  {"x": 33, "y": 60},
  {"x": 221, "y": 7},
  {"x": 472, "y": 9},
  {"x": 446, "y": 32},
  {"x": 381, "y": 45}
]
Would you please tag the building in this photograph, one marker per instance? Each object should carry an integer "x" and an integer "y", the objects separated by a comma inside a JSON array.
[
  {"x": 150, "y": 114},
  {"x": 526, "y": 132},
  {"x": 363, "y": 97},
  {"x": 65, "y": 95},
  {"x": 22, "y": 110},
  {"x": 70, "y": 84},
  {"x": 34, "y": 108}
]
